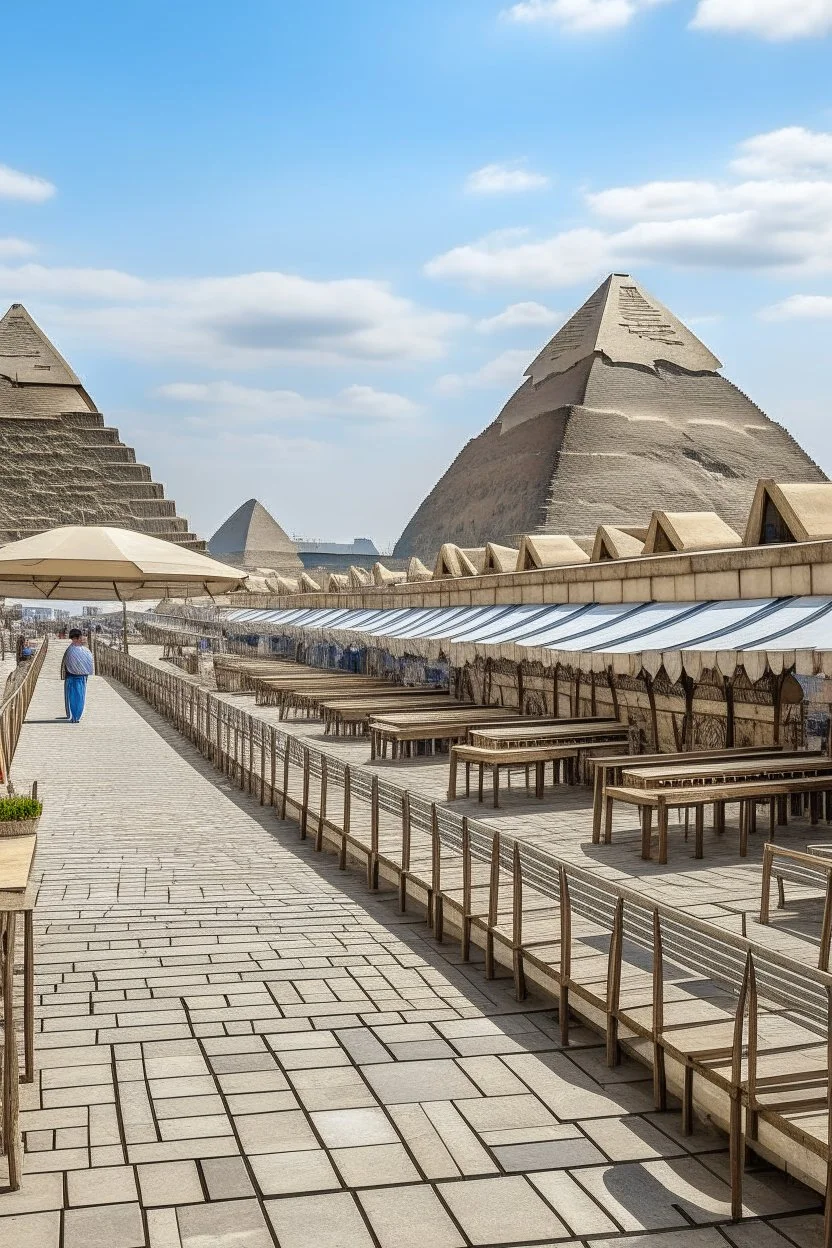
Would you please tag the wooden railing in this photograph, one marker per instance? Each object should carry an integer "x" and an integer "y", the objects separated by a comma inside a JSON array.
[
  {"x": 13, "y": 709},
  {"x": 367, "y": 819}
]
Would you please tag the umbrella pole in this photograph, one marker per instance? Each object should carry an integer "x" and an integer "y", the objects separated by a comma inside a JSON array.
[{"x": 124, "y": 626}]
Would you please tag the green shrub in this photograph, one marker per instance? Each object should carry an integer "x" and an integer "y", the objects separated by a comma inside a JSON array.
[{"x": 14, "y": 808}]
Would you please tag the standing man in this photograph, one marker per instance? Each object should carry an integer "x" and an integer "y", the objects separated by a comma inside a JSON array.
[{"x": 76, "y": 666}]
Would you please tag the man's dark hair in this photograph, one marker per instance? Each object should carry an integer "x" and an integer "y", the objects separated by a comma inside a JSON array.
[{"x": 74, "y": 634}]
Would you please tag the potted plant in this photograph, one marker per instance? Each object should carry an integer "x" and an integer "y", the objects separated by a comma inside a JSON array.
[{"x": 19, "y": 816}]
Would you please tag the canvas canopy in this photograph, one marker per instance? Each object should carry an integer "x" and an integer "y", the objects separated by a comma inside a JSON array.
[{"x": 78, "y": 562}]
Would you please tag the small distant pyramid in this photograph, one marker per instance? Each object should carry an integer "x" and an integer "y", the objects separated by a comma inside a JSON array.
[
  {"x": 252, "y": 538},
  {"x": 622, "y": 413},
  {"x": 59, "y": 463}
]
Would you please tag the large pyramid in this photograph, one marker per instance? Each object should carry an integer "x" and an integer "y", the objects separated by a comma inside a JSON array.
[
  {"x": 622, "y": 412},
  {"x": 252, "y": 538},
  {"x": 59, "y": 462}
]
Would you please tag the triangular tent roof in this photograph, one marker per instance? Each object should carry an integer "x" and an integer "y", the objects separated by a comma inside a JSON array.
[
  {"x": 453, "y": 562},
  {"x": 500, "y": 558},
  {"x": 613, "y": 543},
  {"x": 416, "y": 570},
  {"x": 26, "y": 354},
  {"x": 252, "y": 537},
  {"x": 793, "y": 512},
  {"x": 671, "y": 531},
  {"x": 549, "y": 550}
]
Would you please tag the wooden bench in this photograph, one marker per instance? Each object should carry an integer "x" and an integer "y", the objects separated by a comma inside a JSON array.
[
  {"x": 522, "y": 756},
  {"x": 811, "y": 869},
  {"x": 745, "y": 792}
]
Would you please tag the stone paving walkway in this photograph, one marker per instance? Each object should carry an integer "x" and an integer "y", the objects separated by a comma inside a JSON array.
[{"x": 239, "y": 1046}]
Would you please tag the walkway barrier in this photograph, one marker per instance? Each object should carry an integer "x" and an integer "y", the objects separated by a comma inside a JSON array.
[
  {"x": 14, "y": 706},
  {"x": 740, "y": 1032}
]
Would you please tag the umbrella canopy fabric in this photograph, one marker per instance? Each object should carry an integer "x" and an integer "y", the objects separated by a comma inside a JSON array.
[{"x": 90, "y": 562}]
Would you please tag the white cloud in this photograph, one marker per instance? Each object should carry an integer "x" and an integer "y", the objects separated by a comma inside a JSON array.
[
  {"x": 15, "y": 247},
  {"x": 507, "y": 368},
  {"x": 769, "y": 19},
  {"x": 780, "y": 222},
  {"x": 230, "y": 402},
  {"x": 249, "y": 320},
  {"x": 518, "y": 316},
  {"x": 792, "y": 150},
  {"x": 800, "y": 307},
  {"x": 504, "y": 179},
  {"x": 26, "y": 186},
  {"x": 578, "y": 16}
]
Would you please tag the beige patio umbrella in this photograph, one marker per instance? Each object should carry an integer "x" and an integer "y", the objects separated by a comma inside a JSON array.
[{"x": 79, "y": 562}]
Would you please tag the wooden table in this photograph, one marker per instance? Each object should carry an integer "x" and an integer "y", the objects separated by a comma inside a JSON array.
[
  {"x": 403, "y": 728},
  {"x": 357, "y": 710},
  {"x": 536, "y": 756},
  {"x": 17, "y": 896},
  {"x": 726, "y": 770},
  {"x": 527, "y": 732},
  {"x": 609, "y": 767}
]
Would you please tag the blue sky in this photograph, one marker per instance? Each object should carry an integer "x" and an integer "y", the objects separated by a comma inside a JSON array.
[{"x": 303, "y": 252}]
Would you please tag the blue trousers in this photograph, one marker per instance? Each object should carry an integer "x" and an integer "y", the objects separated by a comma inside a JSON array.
[{"x": 75, "y": 695}]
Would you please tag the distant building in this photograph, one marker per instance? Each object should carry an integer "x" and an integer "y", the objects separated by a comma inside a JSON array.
[
  {"x": 623, "y": 412},
  {"x": 60, "y": 463},
  {"x": 37, "y": 613},
  {"x": 251, "y": 538},
  {"x": 361, "y": 552}
]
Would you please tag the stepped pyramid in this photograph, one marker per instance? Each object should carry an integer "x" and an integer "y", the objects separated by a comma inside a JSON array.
[
  {"x": 623, "y": 412},
  {"x": 59, "y": 462},
  {"x": 252, "y": 538}
]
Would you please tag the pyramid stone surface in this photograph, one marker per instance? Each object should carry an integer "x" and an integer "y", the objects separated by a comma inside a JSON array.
[
  {"x": 621, "y": 413},
  {"x": 59, "y": 462},
  {"x": 252, "y": 538}
]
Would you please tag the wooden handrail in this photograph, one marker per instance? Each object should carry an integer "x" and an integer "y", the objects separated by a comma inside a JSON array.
[{"x": 13, "y": 710}]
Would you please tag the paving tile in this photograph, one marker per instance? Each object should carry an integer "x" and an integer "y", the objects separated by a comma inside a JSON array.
[
  {"x": 403, "y": 1083},
  {"x": 493, "y": 1113},
  {"x": 226, "y": 1177},
  {"x": 163, "y": 1228},
  {"x": 547, "y": 1155},
  {"x": 104, "y": 1226},
  {"x": 105, "y": 1185},
  {"x": 374, "y": 1165},
  {"x": 275, "y": 1133},
  {"x": 410, "y": 1217},
  {"x": 30, "y": 1230},
  {"x": 330, "y": 1220},
  {"x": 630, "y": 1139},
  {"x": 222, "y": 1223},
  {"x": 280, "y": 1174},
  {"x": 170, "y": 1183},
  {"x": 501, "y": 1211},
  {"x": 334, "y": 1088},
  {"x": 350, "y": 1128},
  {"x": 38, "y": 1192},
  {"x": 578, "y": 1211},
  {"x": 463, "y": 1145}
]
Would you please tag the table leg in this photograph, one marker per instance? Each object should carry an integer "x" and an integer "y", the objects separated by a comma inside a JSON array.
[
  {"x": 646, "y": 813},
  {"x": 11, "y": 1073},
  {"x": 452, "y": 776},
  {"x": 539, "y": 779},
  {"x": 495, "y": 781},
  {"x": 662, "y": 822},
  {"x": 699, "y": 832},
  {"x": 597, "y": 798},
  {"x": 29, "y": 995},
  {"x": 608, "y": 820},
  {"x": 480, "y": 782},
  {"x": 743, "y": 829}
]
